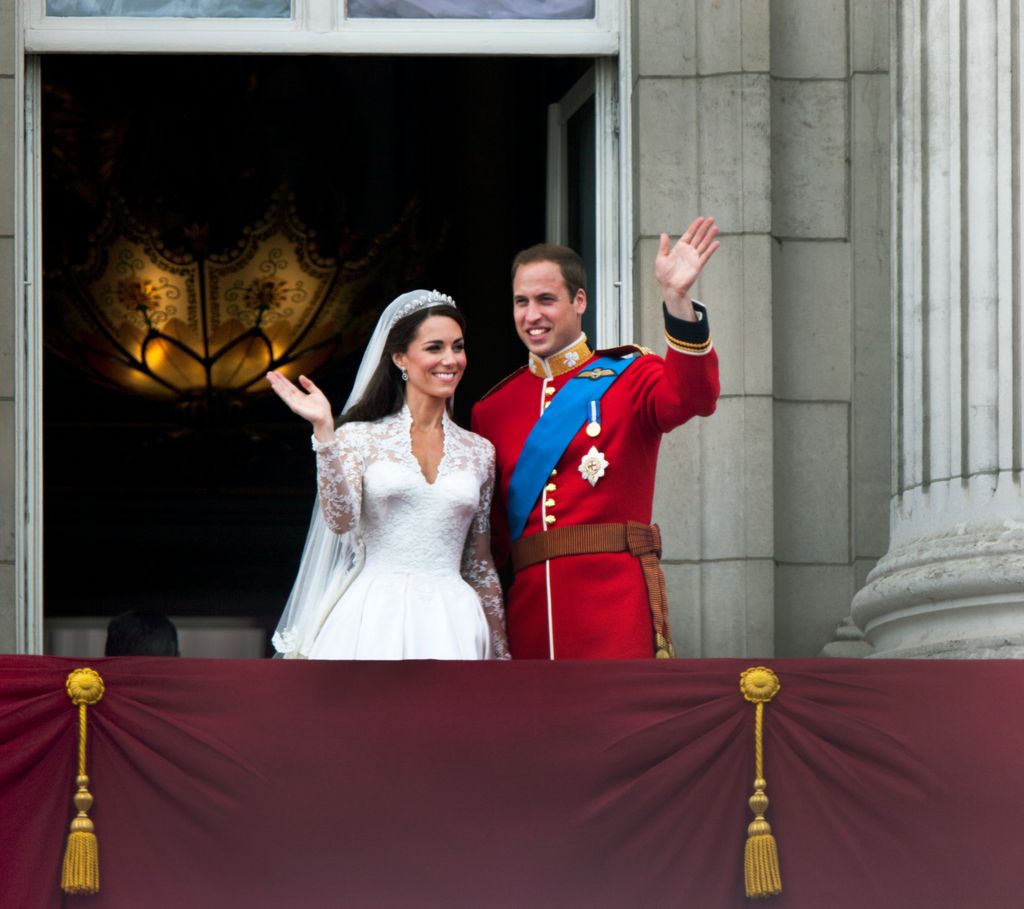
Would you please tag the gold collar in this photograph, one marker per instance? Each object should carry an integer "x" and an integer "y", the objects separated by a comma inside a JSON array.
[{"x": 566, "y": 359}]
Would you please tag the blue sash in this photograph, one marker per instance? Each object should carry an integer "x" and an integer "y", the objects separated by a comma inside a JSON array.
[{"x": 553, "y": 432}]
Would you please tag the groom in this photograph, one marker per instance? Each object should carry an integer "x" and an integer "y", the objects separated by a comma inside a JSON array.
[{"x": 577, "y": 436}]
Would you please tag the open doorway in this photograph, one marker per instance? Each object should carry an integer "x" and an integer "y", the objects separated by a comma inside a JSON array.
[{"x": 201, "y": 511}]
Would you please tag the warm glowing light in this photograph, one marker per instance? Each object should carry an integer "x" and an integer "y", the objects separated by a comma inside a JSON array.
[{"x": 191, "y": 327}]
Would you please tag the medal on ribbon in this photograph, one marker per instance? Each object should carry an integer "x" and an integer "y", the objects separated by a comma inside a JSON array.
[{"x": 594, "y": 423}]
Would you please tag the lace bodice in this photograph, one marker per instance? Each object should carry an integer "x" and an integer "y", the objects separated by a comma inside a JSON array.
[{"x": 371, "y": 483}]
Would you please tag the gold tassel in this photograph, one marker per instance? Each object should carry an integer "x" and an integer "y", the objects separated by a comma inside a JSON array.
[
  {"x": 81, "y": 870},
  {"x": 760, "y": 856}
]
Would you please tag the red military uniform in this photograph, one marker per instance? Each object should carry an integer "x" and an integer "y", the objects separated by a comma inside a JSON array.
[{"x": 593, "y": 605}]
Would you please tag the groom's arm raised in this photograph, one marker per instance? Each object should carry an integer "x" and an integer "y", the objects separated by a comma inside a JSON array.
[
  {"x": 688, "y": 386},
  {"x": 678, "y": 266}
]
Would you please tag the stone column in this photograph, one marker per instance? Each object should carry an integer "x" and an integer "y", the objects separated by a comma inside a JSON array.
[{"x": 952, "y": 582}]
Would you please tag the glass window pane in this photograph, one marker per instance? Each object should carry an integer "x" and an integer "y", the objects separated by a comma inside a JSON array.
[
  {"x": 471, "y": 9},
  {"x": 188, "y": 9}
]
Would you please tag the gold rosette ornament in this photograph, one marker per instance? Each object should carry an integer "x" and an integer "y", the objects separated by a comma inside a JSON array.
[
  {"x": 761, "y": 856},
  {"x": 81, "y": 871}
]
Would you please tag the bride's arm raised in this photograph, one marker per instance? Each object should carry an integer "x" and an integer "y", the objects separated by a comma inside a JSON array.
[
  {"x": 478, "y": 565},
  {"x": 310, "y": 404},
  {"x": 339, "y": 466}
]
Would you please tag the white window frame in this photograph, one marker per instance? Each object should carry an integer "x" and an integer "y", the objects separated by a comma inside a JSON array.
[
  {"x": 602, "y": 83},
  {"x": 320, "y": 27},
  {"x": 317, "y": 26}
]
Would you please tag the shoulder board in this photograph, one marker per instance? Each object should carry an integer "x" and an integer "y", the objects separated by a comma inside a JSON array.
[
  {"x": 626, "y": 350},
  {"x": 503, "y": 382}
]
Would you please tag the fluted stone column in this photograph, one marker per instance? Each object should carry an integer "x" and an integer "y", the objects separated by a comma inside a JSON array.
[{"x": 952, "y": 582}]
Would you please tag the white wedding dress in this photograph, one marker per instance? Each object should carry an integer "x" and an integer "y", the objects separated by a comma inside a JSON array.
[{"x": 427, "y": 588}]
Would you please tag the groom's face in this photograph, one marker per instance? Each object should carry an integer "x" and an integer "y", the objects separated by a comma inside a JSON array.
[{"x": 547, "y": 319}]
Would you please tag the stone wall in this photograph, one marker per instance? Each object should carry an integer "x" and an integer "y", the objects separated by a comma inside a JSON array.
[
  {"x": 830, "y": 176},
  {"x": 774, "y": 118},
  {"x": 702, "y": 112}
]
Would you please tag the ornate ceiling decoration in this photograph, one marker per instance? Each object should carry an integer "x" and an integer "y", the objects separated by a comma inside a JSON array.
[{"x": 197, "y": 327}]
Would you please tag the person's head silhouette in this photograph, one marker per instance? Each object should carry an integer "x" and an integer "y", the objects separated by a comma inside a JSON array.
[{"x": 141, "y": 633}]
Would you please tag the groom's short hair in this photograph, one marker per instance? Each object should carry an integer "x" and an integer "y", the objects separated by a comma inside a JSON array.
[{"x": 574, "y": 272}]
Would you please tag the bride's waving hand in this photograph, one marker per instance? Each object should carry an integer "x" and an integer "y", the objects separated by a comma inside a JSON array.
[{"x": 311, "y": 404}]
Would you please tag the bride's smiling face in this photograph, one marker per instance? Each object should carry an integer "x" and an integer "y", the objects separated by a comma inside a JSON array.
[{"x": 436, "y": 358}]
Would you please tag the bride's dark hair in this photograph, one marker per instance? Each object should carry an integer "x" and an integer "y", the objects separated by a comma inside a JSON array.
[{"x": 385, "y": 392}]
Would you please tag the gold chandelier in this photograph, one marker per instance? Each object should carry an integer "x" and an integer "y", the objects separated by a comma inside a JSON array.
[{"x": 197, "y": 328}]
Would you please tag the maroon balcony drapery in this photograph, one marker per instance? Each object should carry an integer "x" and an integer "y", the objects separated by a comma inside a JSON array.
[{"x": 529, "y": 784}]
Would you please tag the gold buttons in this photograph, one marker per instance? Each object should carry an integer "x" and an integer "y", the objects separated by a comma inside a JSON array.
[
  {"x": 550, "y": 390},
  {"x": 547, "y": 404},
  {"x": 549, "y": 519},
  {"x": 549, "y": 503},
  {"x": 550, "y": 487},
  {"x": 554, "y": 472}
]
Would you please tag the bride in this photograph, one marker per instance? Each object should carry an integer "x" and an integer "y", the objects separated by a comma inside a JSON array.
[{"x": 397, "y": 564}]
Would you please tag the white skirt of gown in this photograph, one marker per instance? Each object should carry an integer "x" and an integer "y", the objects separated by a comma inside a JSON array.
[{"x": 389, "y": 615}]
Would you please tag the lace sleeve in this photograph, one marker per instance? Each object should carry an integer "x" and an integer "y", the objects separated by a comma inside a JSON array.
[
  {"x": 339, "y": 473},
  {"x": 478, "y": 566}
]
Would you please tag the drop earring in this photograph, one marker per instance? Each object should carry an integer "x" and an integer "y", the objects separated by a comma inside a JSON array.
[{"x": 405, "y": 376}]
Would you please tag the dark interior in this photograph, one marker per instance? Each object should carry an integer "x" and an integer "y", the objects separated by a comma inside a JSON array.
[{"x": 150, "y": 506}]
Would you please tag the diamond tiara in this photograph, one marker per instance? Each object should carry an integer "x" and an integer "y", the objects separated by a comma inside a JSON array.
[{"x": 434, "y": 298}]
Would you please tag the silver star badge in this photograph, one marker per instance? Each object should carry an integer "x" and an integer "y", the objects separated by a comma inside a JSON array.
[{"x": 593, "y": 465}]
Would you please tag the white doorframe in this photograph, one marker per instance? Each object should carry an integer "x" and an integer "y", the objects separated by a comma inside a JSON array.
[
  {"x": 612, "y": 87},
  {"x": 28, "y": 364}
]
